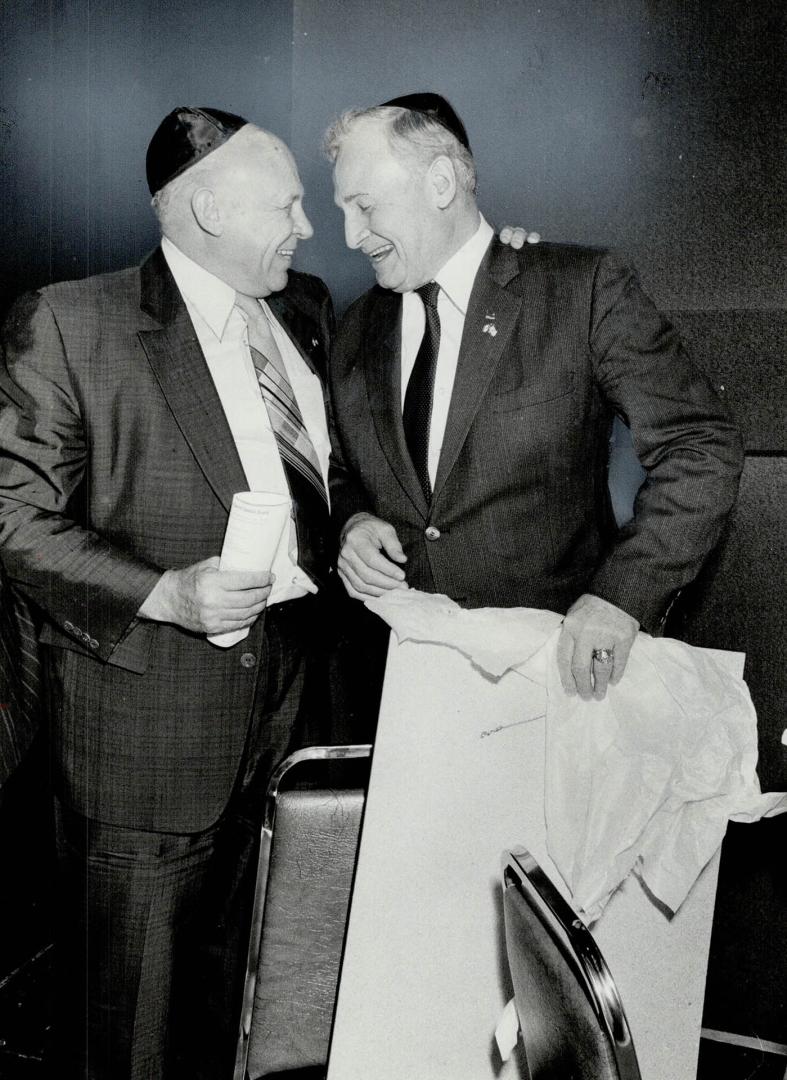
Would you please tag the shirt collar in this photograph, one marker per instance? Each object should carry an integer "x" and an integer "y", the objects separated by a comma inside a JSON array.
[
  {"x": 456, "y": 277},
  {"x": 212, "y": 298}
]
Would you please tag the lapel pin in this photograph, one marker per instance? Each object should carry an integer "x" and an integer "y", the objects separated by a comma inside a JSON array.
[
  {"x": 490, "y": 328},
  {"x": 315, "y": 342}
]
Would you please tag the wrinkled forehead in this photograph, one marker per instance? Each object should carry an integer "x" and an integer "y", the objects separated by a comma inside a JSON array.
[
  {"x": 365, "y": 161},
  {"x": 270, "y": 154}
]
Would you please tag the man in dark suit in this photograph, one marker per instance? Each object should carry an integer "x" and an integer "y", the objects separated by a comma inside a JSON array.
[
  {"x": 474, "y": 390},
  {"x": 134, "y": 406}
]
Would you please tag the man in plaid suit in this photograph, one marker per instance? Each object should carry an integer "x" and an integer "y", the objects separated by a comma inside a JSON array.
[{"x": 131, "y": 412}]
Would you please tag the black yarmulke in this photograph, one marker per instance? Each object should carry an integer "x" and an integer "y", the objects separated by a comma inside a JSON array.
[
  {"x": 437, "y": 108},
  {"x": 183, "y": 138}
]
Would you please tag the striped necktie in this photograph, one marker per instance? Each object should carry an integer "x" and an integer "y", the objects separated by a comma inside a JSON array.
[{"x": 298, "y": 456}]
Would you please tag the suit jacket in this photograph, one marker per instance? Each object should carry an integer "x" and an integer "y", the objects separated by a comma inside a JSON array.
[
  {"x": 118, "y": 463},
  {"x": 520, "y": 513},
  {"x": 19, "y": 680}
]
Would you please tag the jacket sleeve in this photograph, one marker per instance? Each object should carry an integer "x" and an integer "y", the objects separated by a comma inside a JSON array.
[
  {"x": 688, "y": 446},
  {"x": 348, "y": 495},
  {"x": 89, "y": 589}
]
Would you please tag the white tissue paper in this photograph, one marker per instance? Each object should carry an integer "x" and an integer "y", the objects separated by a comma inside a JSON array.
[
  {"x": 257, "y": 526},
  {"x": 644, "y": 780}
]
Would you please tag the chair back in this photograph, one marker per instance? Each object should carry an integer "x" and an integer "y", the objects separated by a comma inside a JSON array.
[
  {"x": 307, "y": 860},
  {"x": 573, "y": 1024}
]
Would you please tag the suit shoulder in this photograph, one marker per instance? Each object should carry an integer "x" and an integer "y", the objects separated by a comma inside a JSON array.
[
  {"x": 306, "y": 286},
  {"x": 71, "y": 308},
  {"x": 579, "y": 268},
  {"x": 71, "y": 298},
  {"x": 548, "y": 256},
  {"x": 363, "y": 305}
]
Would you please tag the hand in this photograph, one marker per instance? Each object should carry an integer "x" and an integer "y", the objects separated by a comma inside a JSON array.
[
  {"x": 516, "y": 237},
  {"x": 207, "y": 600},
  {"x": 365, "y": 561},
  {"x": 593, "y": 623}
]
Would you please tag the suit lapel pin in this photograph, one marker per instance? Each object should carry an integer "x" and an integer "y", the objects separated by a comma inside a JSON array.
[
  {"x": 315, "y": 342},
  {"x": 489, "y": 325}
]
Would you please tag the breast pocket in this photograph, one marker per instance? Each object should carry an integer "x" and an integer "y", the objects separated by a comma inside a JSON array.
[{"x": 536, "y": 392}]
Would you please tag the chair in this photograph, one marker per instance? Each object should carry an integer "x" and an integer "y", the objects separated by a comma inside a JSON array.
[
  {"x": 572, "y": 1022},
  {"x": 307, "y": 859}
]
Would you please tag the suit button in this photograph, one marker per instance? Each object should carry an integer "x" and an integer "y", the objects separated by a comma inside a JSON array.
[
  {"x": 432, "y": 533},
  {"x": 248, "y": 660},
  {"x": 93, "y": 643},
  {"x": 68, "y": 627}
]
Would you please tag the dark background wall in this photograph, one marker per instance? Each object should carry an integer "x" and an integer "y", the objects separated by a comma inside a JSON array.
[
  {"x": 652, "y": 125},
  {"x": 82, "y": 87}
]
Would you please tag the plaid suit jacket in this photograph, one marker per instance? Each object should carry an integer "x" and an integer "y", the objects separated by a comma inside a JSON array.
[
  {"x": 118, "y": 463},
  {"x": 520, "y": 513}
]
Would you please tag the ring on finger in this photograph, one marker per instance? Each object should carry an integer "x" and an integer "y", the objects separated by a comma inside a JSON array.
[{"x": 602, "y": 656}]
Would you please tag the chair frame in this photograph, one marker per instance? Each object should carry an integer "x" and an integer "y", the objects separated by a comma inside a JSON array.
[
  {"x": 572, "y": 937},
  {"x": 308, "y": 754}
]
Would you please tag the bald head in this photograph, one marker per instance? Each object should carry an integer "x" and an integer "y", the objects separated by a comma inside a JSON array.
[{"x": 239, "y": 212}]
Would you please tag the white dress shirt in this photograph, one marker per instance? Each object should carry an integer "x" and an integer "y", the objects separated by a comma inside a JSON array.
[
  {"x": 456, "y": 280},
  {"x": 221, "y": 332}
]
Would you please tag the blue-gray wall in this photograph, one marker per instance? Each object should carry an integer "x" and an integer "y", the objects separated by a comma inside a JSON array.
[{"x": 649, "y": 125}]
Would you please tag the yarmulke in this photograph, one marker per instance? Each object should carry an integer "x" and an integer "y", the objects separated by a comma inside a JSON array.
[
  {"x": 183, "y": 138},
  {"x": 436, "y": 108}
]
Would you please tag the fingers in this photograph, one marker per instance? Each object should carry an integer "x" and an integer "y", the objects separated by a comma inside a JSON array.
[
  {"x": 622, "y": 650},
  {"x": 365, "y": 562},
  {"x": 601, "y": 671},
  {"x": 516, "y": 237},
  {"x": 565, "y": 653},
  {"x": 582, "y": 668},
  {"x": 242, "y": 580},
  {"x": 593, "y": 624}
]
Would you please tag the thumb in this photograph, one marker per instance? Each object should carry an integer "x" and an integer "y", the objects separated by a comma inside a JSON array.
[{"x": 391, "y": 545}]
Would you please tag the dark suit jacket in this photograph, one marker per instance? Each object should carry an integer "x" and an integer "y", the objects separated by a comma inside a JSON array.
[
  {"x": 19, "y": 680},
  {"x": 116, "y": 463},
  {"x": 520, "y": 504}
]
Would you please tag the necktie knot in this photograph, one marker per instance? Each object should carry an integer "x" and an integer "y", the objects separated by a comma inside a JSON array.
[
  {"x": 429, "y": 294},
  {"x": 249, "y": 305}
]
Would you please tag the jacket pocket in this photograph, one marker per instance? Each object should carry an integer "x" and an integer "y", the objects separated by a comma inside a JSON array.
[{"x": 537, "y": 392}]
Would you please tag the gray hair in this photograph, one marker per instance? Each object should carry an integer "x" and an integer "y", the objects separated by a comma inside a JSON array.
[{"x": 412, "y": 135}]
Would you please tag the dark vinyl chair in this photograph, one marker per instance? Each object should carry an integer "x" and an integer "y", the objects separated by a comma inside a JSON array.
[
  {"x": 307, "y": 860},
  {"x": 572, "y": 1021}
]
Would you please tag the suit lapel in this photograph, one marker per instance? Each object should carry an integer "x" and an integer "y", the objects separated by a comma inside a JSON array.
[
  {"x": 303, "y": 331},
  {"x": 381, "y": 347},
  {"x": 480, "y": 352},
  {"x": 176, "y": 358}
]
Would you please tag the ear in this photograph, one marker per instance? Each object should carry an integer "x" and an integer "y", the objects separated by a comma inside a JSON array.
[
  {"x": 442, "y": 181},
  {"x": 206, "y": 211}
]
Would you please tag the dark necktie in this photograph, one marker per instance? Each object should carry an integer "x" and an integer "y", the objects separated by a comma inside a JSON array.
[
  {"x": 417, "y": 410},
  {"x": 297, "y": 453}
]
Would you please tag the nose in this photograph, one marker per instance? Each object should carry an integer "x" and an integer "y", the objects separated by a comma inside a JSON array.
[
  {"x": 302, "y": 227},
  {"x": 355, "y": 232}
]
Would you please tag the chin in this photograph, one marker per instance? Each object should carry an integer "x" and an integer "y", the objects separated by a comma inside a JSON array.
[
  {"x": 388, "y": 281},
  {"x": 278, "y": 281}
]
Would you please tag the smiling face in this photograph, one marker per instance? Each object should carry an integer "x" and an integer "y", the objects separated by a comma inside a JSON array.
[
  {"x": 259, "y": 197},
  {"x": 391, "y": 209}
]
